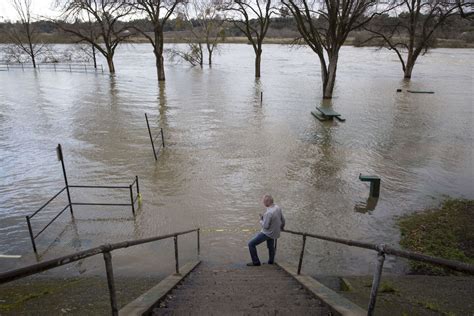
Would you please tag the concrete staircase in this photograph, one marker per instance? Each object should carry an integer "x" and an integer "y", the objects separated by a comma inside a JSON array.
[{"x": 240, "y": 290}]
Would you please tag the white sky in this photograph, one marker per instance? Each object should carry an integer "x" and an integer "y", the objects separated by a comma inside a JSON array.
[{"x": 39, "y": 8}]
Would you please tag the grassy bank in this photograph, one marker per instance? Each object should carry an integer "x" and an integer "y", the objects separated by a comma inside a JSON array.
[{"x": 447, "y": 232}]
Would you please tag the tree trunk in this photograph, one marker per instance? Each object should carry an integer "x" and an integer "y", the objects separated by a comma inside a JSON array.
[
  {"x": 409, "y": 66},
  {"x": 258, "y": 59},
  {"x": 210, "y": 57},
  {"x": 329, "y": 79},
  {"x": 160, "y": 66},
  {"x": 110, "y": 63},
  {"x": 33, "y": 60},
  {"x": 94, "y": 58}
]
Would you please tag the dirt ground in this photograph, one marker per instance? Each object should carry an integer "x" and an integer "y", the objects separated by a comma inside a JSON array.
[
  {"x": 72, "y": 296},
  {"x": 415, "y": 294}
]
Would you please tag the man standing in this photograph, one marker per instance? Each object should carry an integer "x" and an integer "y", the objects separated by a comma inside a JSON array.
[{"x": 272, "y": 223}]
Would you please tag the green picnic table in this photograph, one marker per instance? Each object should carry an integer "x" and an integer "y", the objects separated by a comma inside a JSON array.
[{"x": 325, "y": 114}]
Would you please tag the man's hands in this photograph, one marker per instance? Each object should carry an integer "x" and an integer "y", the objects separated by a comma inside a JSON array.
[{"x": 261, "y": 216}]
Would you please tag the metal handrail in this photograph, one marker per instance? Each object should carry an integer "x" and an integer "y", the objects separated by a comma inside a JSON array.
[
  {"x": 382, "y": 250},
  {"x": 133, "y": 200},
  {"x": 106, "y": 249}
]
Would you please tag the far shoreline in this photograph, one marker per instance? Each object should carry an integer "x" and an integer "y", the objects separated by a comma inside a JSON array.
[{"x": 351, "y": 41}]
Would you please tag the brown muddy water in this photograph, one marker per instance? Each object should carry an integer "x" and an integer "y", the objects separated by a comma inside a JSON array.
[{"x": 225, "y": 150}]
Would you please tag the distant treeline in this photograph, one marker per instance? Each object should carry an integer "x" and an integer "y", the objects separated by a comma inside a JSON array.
[{"x": 458, "y": 31}]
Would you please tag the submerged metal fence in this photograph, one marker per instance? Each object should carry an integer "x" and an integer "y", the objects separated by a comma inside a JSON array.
[
  {"x": 153, "y": 138},
  {"x": 65, "y": 67},
  {"x": 134, "y": 198},
  {"x": 106, "y": 251},
  {"x": 382, "y": 250}
]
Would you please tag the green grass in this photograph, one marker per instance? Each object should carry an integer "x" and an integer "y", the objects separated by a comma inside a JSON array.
[{"x": 445, "y": 232}]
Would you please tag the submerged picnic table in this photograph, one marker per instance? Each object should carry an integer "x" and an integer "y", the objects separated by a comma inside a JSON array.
[{"x": 326, "y": 114}]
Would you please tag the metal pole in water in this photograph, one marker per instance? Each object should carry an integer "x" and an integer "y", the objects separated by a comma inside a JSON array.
[
  {"x": 162, "y": 137},
  {"x": 138, "y": 187},
  {"x": 59, "y": 151},
  {"x": 199, "y": 241},
  {"x": 376, "y": 283},
  {"x": 300, "y": 263},
  {"x": 30, "y": 230},
  {"x": 176, "y": 253},
  {"x": 151, "y": 137},
  {"x": 110, "y": 282},
  {"x": 131, "y": 200}
]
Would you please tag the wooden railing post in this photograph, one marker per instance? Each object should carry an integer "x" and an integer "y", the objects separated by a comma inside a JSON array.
[
  {"x": 376, "y": 282},
  {"x": 176, "y": 253},
  {"x": 300, "y": 263},
  {"x": 110, "y": 282}
]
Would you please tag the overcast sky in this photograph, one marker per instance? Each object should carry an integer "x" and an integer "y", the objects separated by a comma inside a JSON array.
[{"x": 40, "y": 8}]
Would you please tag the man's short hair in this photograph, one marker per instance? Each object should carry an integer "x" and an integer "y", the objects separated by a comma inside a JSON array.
[{"x": 268, "y": 197}]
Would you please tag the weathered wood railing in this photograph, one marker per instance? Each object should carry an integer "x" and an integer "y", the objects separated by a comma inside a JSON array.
[
  {"x": 382, "y": 250},
  {"x": 106, "y": 251}
]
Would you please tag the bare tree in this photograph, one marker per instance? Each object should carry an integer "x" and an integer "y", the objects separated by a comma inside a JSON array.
[
  {"x": 207, "y": 23},
  {"x": 466, "y": 9},
  {"x": 97, "y": 19},
  {"x": 410, "y": 34},
  {"x": 252, "y": 17},
  {"x": 24, "y": 36},
  {"x": 158, "y": 12},
  {"x": 324, "y": 27},
  {"x": 192, "y": 55}
]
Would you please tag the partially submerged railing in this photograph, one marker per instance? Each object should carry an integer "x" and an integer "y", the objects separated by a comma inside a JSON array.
[
  {"x": 382, "y": 250},
  {"x": 106, "y": 251},
  {"x": 68, "y": 67},
  {"x": 134, "y": 198},
  {"x": 153, "y": 138}
]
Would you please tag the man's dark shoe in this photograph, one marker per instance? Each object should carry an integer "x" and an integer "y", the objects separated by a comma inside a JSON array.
[
  {"x": 271, "y": 262},
  {"x": 251, "y": 264}
]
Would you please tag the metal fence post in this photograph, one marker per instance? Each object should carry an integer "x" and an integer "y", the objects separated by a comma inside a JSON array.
[
  {"x": 138, "y": 187},
  {"x": 30, "y": 230},
  {"x": 300, "y": 263},
  {"x": 162, "y": 138},
  {"x": 61, "y": 158},
  {"x": 151, "y": 137},
  {"x": 176, "y": 253},
  {"x": 110, "y": 282},
  {"x": 131, "y": 199},
  {"x": 199, "y": 241},
  {"x": 376, "y": 282}
]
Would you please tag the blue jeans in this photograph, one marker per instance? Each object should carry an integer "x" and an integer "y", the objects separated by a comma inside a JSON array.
[{"x": 258, "y": 239}]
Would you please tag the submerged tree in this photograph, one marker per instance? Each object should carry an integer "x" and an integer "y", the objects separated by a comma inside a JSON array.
[
  {"x": 97, "y": 22},
  {"x": 252, "y": 18},
  {"x": 411, "y": 33},
  {"x": 24, "y": 35},
  {"x": 324, "y": 27},
  {"x": 158, "y": 12},
  {"x": 207, "y": 24}
]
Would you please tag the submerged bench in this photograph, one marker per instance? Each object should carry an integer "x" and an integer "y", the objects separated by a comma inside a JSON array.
[
  {"x": 326, "y": 114},
  {"x": 374, "y": 184}
]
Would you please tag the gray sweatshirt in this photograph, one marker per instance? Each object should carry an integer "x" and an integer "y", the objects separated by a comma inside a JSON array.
[{"x": 272, "y": 222}]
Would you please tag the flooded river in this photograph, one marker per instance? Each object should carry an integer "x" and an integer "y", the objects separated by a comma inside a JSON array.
[{"x": 224, "y": 150}]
